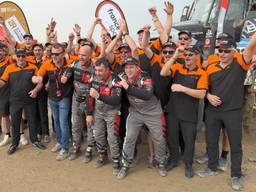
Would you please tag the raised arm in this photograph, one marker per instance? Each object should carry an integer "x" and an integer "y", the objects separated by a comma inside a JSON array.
[
  {"x": 145, "y": 39},
  {"x": 248, "y": 52},
  {"x": 169, "y": 17}
]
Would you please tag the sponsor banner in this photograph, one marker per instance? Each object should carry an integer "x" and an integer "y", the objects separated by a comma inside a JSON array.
[
  {"x": 15, "y": 28},
  {"x": 110, "y": 14}
]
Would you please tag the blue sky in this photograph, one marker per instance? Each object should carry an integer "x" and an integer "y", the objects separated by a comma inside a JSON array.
[{"x": 67, "y": 13}]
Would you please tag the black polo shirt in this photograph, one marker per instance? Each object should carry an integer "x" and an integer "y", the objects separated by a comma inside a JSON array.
[
  {"x": 4, "y": 91},
  {"x": 228, "y": 83},
  {"x": 181, "y": 105}
]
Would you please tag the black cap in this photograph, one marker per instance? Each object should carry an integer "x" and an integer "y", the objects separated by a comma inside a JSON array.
[
  {"x": 224, "y": 36},
  {"x": 20, "y": 51},
  {"x": 140, "y": 31},
  {"x": 193, "y": 49},
  {"x": 169, "y": 44},
  {"x": 103, "y": 61},
  {"x": 131, "y": 61},
  {"x": 3, "y": 46},
  {"x": 28, "y": 35},
  {"x": 82, "y": 39},
  {"x": 38, "y": 45},
  {"x": 124, "y": 45},
  {"x": 47, "y": 44},
  {"x": 226, "y": 44},
  {"x": 64, "y": 44},
  {"x": 89, "y": 43},
  {"x": 186, "y": 32}
]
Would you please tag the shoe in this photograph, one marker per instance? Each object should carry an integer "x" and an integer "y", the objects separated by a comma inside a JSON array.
[
  {"x": 39, "y": 145},
  {"x": 6, "y": 140},
  {"x": 236, "y": 183},
  {"x": 162, "y": 170},
  {"x": 203, "y": 159},
  {"x": 74, "y": 154},
  {"x": 223, "y": 164},
  {"x": 87, "y": 155},
  {"x": 151, "y": 161},
  {"x": 12, "y": 149},
  {"x": 56, "y": 148},
  {"x": 23, "y": 140},
  {"x": 63, "y": 154},
  {"x": 46, "y": 139},
  {"x": 134, "y": 163},
  {"x": 123, "y": 172},
  {"x": 115, "y": 166},
  {"x": 101, "y": 161},
  {"x": 189, "y": 171},
  {"x": 207, "y": 172},
  {"x": 171, "y": 165}
]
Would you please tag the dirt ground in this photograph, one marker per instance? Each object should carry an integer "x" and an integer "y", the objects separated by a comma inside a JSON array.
[{"x": 30, "y": 170}]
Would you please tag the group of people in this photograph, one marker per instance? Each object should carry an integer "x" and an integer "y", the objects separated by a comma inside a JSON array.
[{"x": 114, "y": 88}]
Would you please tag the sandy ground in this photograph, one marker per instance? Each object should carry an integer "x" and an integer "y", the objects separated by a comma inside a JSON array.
[{"x": 30, "y": 170}]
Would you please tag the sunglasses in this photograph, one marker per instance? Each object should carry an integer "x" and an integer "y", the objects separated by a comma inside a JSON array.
[
  {"x": 21, "y": 56},
  {"x": 183, "y": 38},
  {"x": 188, "y": 54},
  {"x": 56, "y": 54},
  {"x": 124, "y": 52},
  {"x": 169, "y": 52},
  {"x": 224, "y": 50}
]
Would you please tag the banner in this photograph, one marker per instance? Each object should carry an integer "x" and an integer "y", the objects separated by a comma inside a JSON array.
[
  {"x": 15, "y": 19},
  {"x": 110, "y": 14}
]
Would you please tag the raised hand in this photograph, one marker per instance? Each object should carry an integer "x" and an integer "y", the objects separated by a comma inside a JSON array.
[{"x": 168, "y": 8}]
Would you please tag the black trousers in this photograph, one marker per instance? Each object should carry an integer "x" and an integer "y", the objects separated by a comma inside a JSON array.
[
  {"x": 232, "y": 121},
  {"x": 16, "y": 115},
  {"x": 188, "y": 130},
  {"x": 43, "y": 128}
]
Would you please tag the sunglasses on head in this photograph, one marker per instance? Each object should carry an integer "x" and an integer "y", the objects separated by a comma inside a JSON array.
[
  {"x": 188, "y": 54},
  {"x": 224, "y": 50},
  {"x": 183, "y": 38},
  {"x": 56, "y": 54},
  {"x": 169, "y": 52},
  {"x": 21, "y": 56}
]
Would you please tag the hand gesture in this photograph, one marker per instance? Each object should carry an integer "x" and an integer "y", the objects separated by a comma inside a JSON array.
[
  {"x": 178, "y": 88},
  {"x": 152, "y": 11},
  {"x": 77, "y": 29},
  {"x": 168, "y": 8}
]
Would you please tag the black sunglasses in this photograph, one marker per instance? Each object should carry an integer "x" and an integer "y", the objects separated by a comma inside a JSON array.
[
  {"x": 224, "y": 50},
  {"x": 183, "y": 38},
  {"x": 21, "y": 56},
  {"x": 169, "y": 52},
  {"x": 189, "y": 54},
  {"x": 56, "y": 54}
]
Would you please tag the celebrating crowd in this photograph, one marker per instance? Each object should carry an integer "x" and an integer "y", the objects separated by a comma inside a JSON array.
[{"x": 106, "y": 92}]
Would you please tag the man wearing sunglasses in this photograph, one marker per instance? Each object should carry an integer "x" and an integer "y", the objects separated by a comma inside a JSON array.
[
  {"x": 224, "y": 107},
  {"x": 23, "y": 93},
  {"x": 189, "y": 84},
  {"x": 60, "y": 93}
]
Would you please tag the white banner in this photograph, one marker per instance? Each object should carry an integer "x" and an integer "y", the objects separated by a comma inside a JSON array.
[
  {"x": 110, "y": 14},
  {"x": 15, "y": 28}
]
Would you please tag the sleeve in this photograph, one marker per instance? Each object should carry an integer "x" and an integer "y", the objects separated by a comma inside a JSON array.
[
  {"x": 156, "y": 45},
  {"x": 6, "y": 74},
  {"x": 173, "y": 69},
  {"x": 241, "y": 62},
  {"x": 145, "y": 92},
  {"x": 155, "y": 59},
  {"x": 202, "y": 83}
]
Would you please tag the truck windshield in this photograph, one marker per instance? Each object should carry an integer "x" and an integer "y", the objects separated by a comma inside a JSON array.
[
  {"x": 235, "y": 10},
  {"x": 201, "y": 9}
]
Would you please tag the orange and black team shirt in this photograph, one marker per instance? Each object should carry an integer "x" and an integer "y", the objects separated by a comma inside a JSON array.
[
  {"x": 20, "y": 82},
  {"x": 4, "y": 91},
  {"x": 227, "y": 83},
  {"x": 57, "y": 90},
  {"x": 183, "y": 106},
  {"x": 29, "y": 52}
]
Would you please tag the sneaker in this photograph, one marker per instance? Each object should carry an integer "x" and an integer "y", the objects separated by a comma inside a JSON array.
[
  {"x": 151, "y": 161},
  {"x": 56, "y": 148},
  {"x": 74, "y": 154},
  {"x": 63, "y": 154},
  {"x": 23, "y": 140},
  {"x": 189, "y": 171},
  {"x": 46, "y": 139},
  {"x": 116, "y": 167},
  {"x": 101, "y": 161},
  {"x": 6, "y": 140},
  {"x": 236, "y": 183},
  {"x": 87, "y": 155},
  {"x": 162, "y": 170},
  {"x": 123, "y": 172},
  {"x": 223, "y": 164},
  {"x": 12, "y": 149},
  {"x": 171, "y": 165},
  {"x": 207, "y": 172},
  {"x": 203, "y": 159},
  {"x": 39, "y": 145}
]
